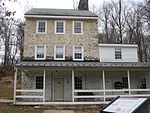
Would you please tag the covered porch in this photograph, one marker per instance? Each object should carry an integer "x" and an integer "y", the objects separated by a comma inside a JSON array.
[{"x": 79, "y": 82}]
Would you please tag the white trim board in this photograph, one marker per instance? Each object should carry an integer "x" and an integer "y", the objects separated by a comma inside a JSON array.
[
  {"x": 60, "y": 17},
  {"x": 118, "y": 45},
  {"x": 57, "y": 103}
]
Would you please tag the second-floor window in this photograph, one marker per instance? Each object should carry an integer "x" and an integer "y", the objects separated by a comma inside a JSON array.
[
  {"x": 77, "y": 53},
  {"x": 59, "y": 52},
  {"x": 40, "y": 52},
  {"x": 41, "y": 26},
  {"x": 77, "y": 27},
  {"x": 118, "y": 54},
  {"x": 59, "y": 27}
]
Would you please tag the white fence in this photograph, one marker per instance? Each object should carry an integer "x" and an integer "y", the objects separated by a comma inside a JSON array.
[
  {"x": 80, "y": 96},
  {"x": 29, "y": 94},
  {"x": 105, "y": 95}
]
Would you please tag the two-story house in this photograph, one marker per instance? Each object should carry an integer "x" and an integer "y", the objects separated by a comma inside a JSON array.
[{"x": 64, "y": 64}]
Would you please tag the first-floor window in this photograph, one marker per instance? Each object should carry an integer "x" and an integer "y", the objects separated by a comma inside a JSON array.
[
  {"x": 125, "y": 82},
  {"x": 118, "y": 54},
  {"x": 78, "y": 82},
  {"x": 77, "y": 53},
  {"x": 143, "y": 83},
  {"x": 39, "y": 82},
  {"x": 40, "y": 52},
  {"x": 59, "y": 53}
]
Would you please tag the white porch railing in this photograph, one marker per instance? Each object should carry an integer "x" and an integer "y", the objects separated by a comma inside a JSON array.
[
  {"x": 29, "y": 94},
  {"x": 112, "y": 93}
]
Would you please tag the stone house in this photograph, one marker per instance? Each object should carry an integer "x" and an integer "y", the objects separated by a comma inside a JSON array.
[{"x": 64, "y": 64}]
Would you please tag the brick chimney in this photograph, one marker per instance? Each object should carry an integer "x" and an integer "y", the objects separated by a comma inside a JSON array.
[{"x": 83, "y": 5}]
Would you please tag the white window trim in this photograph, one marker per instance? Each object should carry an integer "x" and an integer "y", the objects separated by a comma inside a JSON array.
[
  {"x": 37, "y": 24},
  {"x": 36, "y": 82},
  {"x": 81, "y": 28},
  {"x": 121, "y": 54},
  {"x": 36, "y": 52},
  {"x": 55, "y": 53},
  {"x": 83, "y": 80},
  {"x": 64, "y": 24},
  {"x": 74, "y": 54}
]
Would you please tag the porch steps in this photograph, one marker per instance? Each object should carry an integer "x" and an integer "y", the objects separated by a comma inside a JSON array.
[{"x": 71, "y": 107}]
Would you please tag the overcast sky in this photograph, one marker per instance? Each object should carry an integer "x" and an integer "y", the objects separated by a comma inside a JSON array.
[
  {"x": 60, "y": 4},
  {"x": 19, "y": 6}
]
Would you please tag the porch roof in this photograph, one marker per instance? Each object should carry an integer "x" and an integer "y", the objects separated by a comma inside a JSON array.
[{"x": 82, "y": 64}]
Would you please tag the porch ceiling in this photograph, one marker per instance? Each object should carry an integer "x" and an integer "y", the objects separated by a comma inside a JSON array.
[{"x": 83, "y": 64}]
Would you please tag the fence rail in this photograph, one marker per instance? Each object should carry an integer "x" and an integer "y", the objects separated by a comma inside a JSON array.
[
  {"x": 110, "y": 93},
  {"x": 30, "y": 94}
]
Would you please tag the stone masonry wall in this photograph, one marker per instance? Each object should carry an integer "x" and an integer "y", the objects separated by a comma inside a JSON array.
[{"x": 89, "y": 39}]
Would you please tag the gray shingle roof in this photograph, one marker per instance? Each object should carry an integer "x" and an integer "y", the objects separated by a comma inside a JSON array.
[
  {"x": 61, "y": 12},
  {"x": 82, "y": 64}
]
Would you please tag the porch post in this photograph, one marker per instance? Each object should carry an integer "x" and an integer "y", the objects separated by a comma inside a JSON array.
[
  {"x": 104, "y": 84},
  {"x": 44, "y": 86},
  {"x": 73, "y": 85},
  {"x": 129, "y": 87},
  {"x": 15, "y": 85}
]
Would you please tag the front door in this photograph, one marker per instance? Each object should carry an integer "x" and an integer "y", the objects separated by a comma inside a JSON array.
[{"x": 58, "y": 89}]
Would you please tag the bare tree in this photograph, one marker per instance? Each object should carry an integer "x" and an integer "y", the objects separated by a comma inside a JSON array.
[
  {"x": 20, "y": 38},
  {"x": 75, "y": 4},
  {"x": 125, "y": 22}
]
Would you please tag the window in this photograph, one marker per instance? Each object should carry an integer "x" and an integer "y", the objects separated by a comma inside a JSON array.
[
  {"x": 41, "y": 26},
  {"x": 39, "y": 82},
  {"x": 59, "y": 27},
  {"x": 59, "y": 53},
  {"x": 77, "y": 53},
  {"x": 143, "y": 83},
  {"x": 118, "y": 54},
  {"x": 78, "y": 82},
  {"x": 77, "y": 27},
  {"x": 125, "y": 82},
  {"x": 118, "y": 85},
  {"x": 40, "y": 52}
]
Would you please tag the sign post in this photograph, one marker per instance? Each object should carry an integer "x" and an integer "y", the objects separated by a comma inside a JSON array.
[{"x": 127, "y": 105}]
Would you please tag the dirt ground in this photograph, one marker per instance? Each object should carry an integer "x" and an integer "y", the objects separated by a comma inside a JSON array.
[{"x": 10, "y": 108}]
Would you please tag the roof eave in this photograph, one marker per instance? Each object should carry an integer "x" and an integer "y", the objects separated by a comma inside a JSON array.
[
  {"x": 118, "y": 45},
  {"x": 61, "y": 17}
]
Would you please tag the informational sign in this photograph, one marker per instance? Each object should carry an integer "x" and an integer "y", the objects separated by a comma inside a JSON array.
[{"x": 124, "y": 105}]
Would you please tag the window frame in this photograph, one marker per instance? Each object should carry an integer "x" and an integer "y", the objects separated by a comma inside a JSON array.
[
  {"x": 125, "y": 84},
  {"x": 36, "y": 52},
  {"x": 82, "y": 83},
  {"x": 36, "y": 86},
  {"x": 55, "y": 52},
  {"x": 118, "y": 56},
  {"x": 37, "y": 26},
  {"x": 63, "y": 26},
  {"x": 81, "y": 28},
  {"x": 82, "y": 51}
]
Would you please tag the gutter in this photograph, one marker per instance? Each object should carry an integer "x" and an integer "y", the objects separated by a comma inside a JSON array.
[{"x": 60, "y": 17}]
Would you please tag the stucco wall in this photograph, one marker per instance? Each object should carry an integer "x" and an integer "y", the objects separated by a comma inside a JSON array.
[{"x": 89, "y": 39}]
